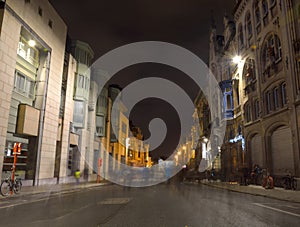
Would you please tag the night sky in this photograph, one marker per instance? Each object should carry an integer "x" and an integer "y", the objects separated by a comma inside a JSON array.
[{"x": 106, "y": 25}]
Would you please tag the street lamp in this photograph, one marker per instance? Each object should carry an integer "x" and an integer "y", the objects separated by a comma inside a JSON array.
[{"x": 237, "y": 59}]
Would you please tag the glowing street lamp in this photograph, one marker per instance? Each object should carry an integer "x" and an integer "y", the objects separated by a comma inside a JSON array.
[
  {"x": 236, "y": 59},
  {"x": 31, "y": 43}
]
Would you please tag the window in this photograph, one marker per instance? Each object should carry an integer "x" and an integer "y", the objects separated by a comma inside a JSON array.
[
  {"x": 24, "y": 85},
  {"x": 87, "y": 84},
  {"x": 40, "y": 11},
  {"x": 265, "y": 7},
  {"x": 249, "y": 70},
  {"x": 249, "y": 25},
  {"x": 276, "y": 98},
  {"x": 272, "y": 3},
  {"x": 124, "y": 127},
  {"x": 78, "y": 116},
  {"x": 247, "y": 112},
  {"x": 80, "y": 81},
  {"x": 271, "y": 51},
  {"x": 241, "y": 36},
  {"x": 50, "y": 23},
  {"x": 256, "y": 109},
  {"x": 283, "y": 94},
  {"x": 257, "y": 14},
  {"x": 30, "y": 54},
  {"x": 100, "y": 125},
  {"x": 269, "y": 101}
]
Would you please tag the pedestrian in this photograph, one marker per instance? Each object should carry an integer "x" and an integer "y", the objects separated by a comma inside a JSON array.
[
  {"x": 270, "y": 182},
  {"x": 77, "y": 176}
]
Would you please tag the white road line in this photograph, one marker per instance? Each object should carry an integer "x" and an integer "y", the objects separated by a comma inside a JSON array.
[
  {"x": 52, "y": 196},
  {"x": 282, "y": 211}
]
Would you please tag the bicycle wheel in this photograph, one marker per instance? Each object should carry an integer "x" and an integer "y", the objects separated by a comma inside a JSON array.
[
  {"x": 17, "y": 186},
  {"x": 294, "y": 184},
  {"x": 5, "y": 188}
]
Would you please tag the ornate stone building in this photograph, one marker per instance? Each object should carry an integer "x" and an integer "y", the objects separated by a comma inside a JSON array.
[{"x": 261, "y": 87}]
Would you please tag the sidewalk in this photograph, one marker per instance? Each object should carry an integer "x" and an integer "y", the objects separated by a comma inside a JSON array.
[
  {"x": 276, "y": 193},
  {"x": 58, "y": 188}
]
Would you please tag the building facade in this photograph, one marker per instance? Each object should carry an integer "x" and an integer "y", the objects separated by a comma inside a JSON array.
[
  {"x": 260, "y": 87},
  {"x": 32, "y": 55}
]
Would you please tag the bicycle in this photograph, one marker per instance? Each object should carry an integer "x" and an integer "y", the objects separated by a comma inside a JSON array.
[
  {"x": 289, "y": 182},
  {"x": 8, "y": 186}
]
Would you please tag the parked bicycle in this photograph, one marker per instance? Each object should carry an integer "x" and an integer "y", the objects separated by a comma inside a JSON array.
[
  {"x": 289, "y": 182},
  {"x": 8, "y": 186}
]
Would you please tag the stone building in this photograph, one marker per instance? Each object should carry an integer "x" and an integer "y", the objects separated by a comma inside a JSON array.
[
  {"x": 32, "y": 45},
  {"x": 261, "y": 87}
]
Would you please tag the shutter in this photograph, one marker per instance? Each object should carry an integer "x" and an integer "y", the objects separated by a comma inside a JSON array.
[
  {"x": 282, "y": 152},
  {"x": 256, "y": 151}
]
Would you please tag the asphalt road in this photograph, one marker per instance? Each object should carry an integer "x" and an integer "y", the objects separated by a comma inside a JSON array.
[{"x": 162, "y": 205}]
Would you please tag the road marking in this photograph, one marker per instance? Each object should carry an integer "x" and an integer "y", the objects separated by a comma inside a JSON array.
[
  {"x": 114, "y": 201},
  {"x": 49, "y": 196},
  {"x": 276, "y": 209}
]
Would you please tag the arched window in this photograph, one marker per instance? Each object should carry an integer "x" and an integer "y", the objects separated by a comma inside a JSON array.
[
  {"x": 257, "y": 13},
  {"x": 241, "y": 36},
  {"x": 265, "y": 7},
  {"x": 249, "y": 71},
  {"x": 248, "y": 24},
  {"x": 256, "y": 109},
  {"x": 271, "y": 53},
  {"x": 283, "y": 94},
  {"x": 272, "y": 3},
  {"x": 269, "y": 103},
  {"x": 276, "y": 98},
  {"x": 247, "y": 110}
]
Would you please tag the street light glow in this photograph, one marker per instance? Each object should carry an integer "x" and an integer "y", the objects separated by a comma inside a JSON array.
[
  {"x": 236, "y": 59},
  {"x": 31, "y": 43}
]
